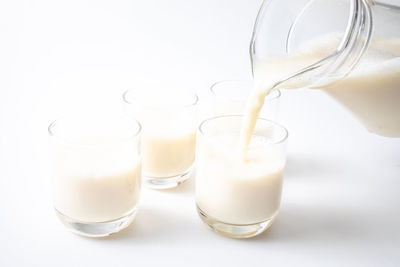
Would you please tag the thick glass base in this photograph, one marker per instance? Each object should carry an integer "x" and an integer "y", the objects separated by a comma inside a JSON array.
[
  {"x": 96, "y": 229},
  {"x": 235, "y": 230},
  {"x": 167, "y": 182}
]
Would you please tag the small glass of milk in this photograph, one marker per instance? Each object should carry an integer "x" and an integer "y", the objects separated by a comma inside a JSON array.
[
  {"x": 95, "y": 172},
  {"x": 238, "y": 189},
  {"x": 229, "y": 97},
  {"x": 168, "y": 141}
]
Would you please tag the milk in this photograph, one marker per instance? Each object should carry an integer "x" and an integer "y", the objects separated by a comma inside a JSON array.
[
  {"x": 95, "y": 180},
  {"x": 234, "y": 191},
  {"x": 371, "y": 91},
  {"x": 373, "y": 96},
  {"x": 168, "y": 151},
  {"x": 168, "y": 139}
]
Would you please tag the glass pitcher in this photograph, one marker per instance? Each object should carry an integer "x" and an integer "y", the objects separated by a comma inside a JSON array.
[{"x": 350, "y": 49}]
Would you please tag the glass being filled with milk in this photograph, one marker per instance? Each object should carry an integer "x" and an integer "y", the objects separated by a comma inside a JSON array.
[
  {"x": 96, "y": 172},
  {"x": 168, "y": 140},
  {"x": 350, "y": 49},
  {"x": 238, "y": 189}
]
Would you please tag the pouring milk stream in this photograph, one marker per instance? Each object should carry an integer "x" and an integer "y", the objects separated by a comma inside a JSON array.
[{"x": 360, "y": 69}]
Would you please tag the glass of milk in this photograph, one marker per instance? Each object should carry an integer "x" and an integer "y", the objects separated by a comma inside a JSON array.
[
  {"x": 96, "y": 172},
  {"x": 168, "y": 141},
  {"x": 238, "y": 189},
  {"x": 229, "y": 97}
]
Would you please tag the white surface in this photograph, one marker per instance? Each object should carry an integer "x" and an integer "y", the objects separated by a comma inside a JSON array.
[{"x": 341, "y": 192}]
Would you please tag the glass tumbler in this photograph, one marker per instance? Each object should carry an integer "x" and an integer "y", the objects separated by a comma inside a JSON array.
[
  {"x": 168, "y": 141},
  {"x": 238, "y": 189},
  {"x": 95, "y": 172}
]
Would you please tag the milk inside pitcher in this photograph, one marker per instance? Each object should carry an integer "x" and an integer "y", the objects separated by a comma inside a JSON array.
[{"x": 350, "y": 49}]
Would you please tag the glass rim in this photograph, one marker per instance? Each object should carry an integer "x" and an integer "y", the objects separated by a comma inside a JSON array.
[
  {"x": 53, "y": 124},
  {"x": 194, "y": 96},
  {"x": 214, "y": 85},
  {"x": 275, "y": 124}
]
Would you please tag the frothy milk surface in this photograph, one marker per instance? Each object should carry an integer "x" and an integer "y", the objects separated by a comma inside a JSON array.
[
  {"x": 95, "y": 180},
  {"x": 236, "y": 191},
  {"x": 371, "y": 91}
]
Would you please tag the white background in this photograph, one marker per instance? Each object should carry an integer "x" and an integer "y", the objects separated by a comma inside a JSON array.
[{"x": 341, "y": 198}]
